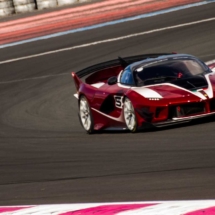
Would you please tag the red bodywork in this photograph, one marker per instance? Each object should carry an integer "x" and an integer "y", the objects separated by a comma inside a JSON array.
[{"x": 107, "y": 112}]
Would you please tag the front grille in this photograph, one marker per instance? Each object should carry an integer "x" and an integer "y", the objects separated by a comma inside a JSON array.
[{"x": 186, "y": 110}]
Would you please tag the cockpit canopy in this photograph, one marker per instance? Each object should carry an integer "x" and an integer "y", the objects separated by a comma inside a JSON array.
[{"x": 165, "y": 70}]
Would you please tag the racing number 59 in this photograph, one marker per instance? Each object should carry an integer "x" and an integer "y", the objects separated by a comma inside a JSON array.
[{"x": 118, "y": 101}]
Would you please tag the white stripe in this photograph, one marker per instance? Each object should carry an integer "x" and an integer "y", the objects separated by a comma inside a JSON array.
[
  {"x": 97, "y": 85},
  {"x": 119, "y": 119},
  {"x": 108, "y": 40},
  {"x": 171, "y": 208},
  {"x": 209, "y": 90},
  {"x": 161, "y": 208},
  {"x": 118, "y": 79},
  {"x": 51, "y": 209},
  {"x": 147, "y": 92},
  {"x": 192, "y": 117},
  {"x": 210, "y": 62},
  {"x": 198, "y": 94}
]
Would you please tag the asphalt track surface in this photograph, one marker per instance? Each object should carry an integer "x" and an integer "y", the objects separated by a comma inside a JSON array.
[{"x": 45, "y": 155}]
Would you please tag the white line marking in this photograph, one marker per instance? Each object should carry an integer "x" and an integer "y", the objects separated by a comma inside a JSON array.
[
  {"x": 142, "y": 16},
  {"x": 108, "y": 40},
  {"x": 34, "y": 78}
]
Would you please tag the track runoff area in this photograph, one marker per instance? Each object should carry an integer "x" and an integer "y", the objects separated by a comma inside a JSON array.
[{"x": 204, "y": 207}]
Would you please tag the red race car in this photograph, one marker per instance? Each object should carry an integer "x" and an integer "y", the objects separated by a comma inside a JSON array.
[{"x": 135, "y": 92}]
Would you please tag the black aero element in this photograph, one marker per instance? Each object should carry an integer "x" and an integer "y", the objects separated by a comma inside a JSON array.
[
  {"x": 108, "y": 105},
  {"x": 123, "y": 62},
  {"x": 116, "y": 62},
  {"x": 191, "y": 83},
  {"x": 145, "y": 113},
  {"x": 112, "y": 80},
  {"x": 158, "y": 111}
]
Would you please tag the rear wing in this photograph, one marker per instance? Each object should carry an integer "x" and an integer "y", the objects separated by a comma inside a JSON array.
[{"x": 116, "y": 62}]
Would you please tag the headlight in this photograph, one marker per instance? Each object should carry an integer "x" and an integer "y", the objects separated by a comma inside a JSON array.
[{"x": 154, "y": 99}]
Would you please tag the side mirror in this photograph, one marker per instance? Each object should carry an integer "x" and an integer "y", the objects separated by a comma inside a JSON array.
[{"x": 112, "y": 80}]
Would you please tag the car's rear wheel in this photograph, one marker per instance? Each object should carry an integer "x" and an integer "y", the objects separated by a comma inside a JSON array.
[
  {"x": 85, "y": 115},
  {"x": 129, "y": 115}
]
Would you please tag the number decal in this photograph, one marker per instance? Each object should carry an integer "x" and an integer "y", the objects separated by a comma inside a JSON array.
[{"x": 118, "y": 101}]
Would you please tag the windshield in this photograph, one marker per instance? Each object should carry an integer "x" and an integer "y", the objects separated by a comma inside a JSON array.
[{"x": 168, "y": 70}]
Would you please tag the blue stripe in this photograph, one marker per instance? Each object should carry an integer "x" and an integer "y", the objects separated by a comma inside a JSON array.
[{"x": 108, "y": 23}]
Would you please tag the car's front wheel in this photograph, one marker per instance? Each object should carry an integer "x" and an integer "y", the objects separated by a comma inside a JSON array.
[
  {"x": 129, "y": 115},
  {"x": 85, "y": 115}
]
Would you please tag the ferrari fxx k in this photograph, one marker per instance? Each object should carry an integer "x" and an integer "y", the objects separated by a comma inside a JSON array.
[{"x": 153, "y": 89}]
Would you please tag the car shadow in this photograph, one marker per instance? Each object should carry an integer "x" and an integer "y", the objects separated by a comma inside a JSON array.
[{"x": 156, "y": 129}]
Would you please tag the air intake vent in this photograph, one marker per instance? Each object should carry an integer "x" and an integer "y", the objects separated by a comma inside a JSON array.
[
  {"x": 186, "y": 110},
  {"x": 212, "y": 105}
]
